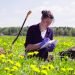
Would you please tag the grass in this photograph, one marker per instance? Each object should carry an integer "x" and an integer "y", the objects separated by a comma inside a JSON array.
[{"x": 15, "y": 64}]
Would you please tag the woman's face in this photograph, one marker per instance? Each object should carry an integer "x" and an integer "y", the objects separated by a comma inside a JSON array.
[{"x": 46, "y": 22}]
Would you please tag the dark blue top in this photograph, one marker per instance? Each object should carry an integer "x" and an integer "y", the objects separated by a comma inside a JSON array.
[{"x": 34, "y": 35}]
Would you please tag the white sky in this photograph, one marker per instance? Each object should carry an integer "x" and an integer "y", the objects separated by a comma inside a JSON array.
[{"x": 13, "y": 12}]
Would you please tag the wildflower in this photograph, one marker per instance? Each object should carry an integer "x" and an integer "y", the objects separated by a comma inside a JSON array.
[
  {"x": 15, "y": 68},
  {"x": 34, "y": 68},
  {"x": 21, "y": 56},
  {"x": 44, "y": 67},
  {"x": 63, "y": 69},
  {"x": 6, "y": 68},
  {"x": 2, "y": 56},
  {"x": 12, "y": 70},
  {"x": 10, "y": 61},
  {"x": 18, "y": 64},
  {"x": 30, "y": 53},
  {"x": 70, "y": 69},
  {"x": 36, "y": 52},
  {"x": 44, "y": 72},
  {"x": 51, "y": 66},
  {"x": 10, "y": 74}
]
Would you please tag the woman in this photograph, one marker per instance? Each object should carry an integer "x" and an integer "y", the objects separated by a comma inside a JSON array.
[{"x": 40, "y": 33}]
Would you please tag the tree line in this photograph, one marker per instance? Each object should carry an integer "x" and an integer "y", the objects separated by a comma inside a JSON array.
[{"x": 58, "y": 31}]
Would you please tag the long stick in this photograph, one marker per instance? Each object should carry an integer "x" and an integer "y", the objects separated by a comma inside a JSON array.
[{"x": 21, "y": 27}]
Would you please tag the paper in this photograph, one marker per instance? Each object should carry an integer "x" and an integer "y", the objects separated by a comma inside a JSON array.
[{"x": 49, "y": 42}]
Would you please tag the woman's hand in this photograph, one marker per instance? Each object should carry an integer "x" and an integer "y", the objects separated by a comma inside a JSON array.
[
  {"x": 44, "y": 42},
  {"x": 33, "y": 47}
]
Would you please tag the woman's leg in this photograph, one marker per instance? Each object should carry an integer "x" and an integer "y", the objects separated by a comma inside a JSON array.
[{"x": 43, "y": 53}]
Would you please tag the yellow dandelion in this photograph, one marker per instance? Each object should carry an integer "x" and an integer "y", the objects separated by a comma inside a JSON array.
[
  {"x": 15, "y": 68},
  {"x": 10, "y": 74},
  {"x": 7, "y": 69},
  {"x": 2, "y": 56},
  {"x": 44, "y": 72},
  {"x": 44, "y": 67},
  {"x": 63, "y": 69},
  {"x": 70, "y": 69},
  {"x": 10, "y": 61},
  {"x": 12, "y": 70},
  {"x": 35, "y": 68},
  {"x": 51, "y": 66},
  {"x": 21, "y": 56},
  {"x": 18, "y": 64},
  {"x": 30, "y": 53},
  {"x": 36, "y": 52},
  {"x": 32, "y": 66}
]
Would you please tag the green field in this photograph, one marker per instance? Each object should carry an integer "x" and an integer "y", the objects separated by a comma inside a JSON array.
[{"x": 15, "y": 64}]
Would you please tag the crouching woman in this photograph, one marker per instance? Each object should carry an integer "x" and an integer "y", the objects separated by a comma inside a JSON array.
[{"x": 39, "y": 34}]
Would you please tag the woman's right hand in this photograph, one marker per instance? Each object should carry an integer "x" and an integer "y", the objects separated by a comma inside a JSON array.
[
  {"x": 44, "y": 42},
  {"x": 33, "y": 47}
]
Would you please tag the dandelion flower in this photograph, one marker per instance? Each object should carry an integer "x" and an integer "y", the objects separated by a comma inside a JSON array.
[
  {"x": 18, "y": 64},
  {"x": 34, "y": 68},
  {"x": 44, "y": 72},
  {"x": 10, "y": 61},
  {"x": 36, "y": 52},
  {"x": 6, "y": 68},
  {"x": 44, "y": 67},
  {"x": 10, "y": 74},
  {"x": 63, "y": 69},
  {"x": 70, "y": 69},
  {"x": 30, "y": 53},
  {"x": 2, "y": 56},
  {"x": 15, "y": 68},
  {"x": 51, "y": 66},
  {"x": 21, "y": 56}
]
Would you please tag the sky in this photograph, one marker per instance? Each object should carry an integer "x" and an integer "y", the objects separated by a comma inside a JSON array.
[{"x": 13, "y": 12}]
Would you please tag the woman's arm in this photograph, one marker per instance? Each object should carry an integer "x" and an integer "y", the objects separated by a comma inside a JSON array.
[{"x": 32, "y": 47}]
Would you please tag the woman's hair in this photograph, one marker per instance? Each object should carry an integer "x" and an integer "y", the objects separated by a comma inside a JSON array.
[{"x": 47, "y": 14}]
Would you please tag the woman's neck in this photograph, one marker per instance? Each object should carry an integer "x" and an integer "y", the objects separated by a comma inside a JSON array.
[{"x": 42, "y": 27}]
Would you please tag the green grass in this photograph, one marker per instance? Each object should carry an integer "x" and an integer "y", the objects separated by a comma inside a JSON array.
[{"x": 15, "y": 64}]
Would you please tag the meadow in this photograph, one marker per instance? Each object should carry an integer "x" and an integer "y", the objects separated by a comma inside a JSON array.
[{"x": 16, "y": 64}]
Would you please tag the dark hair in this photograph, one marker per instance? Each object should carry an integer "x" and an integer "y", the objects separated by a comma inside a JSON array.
[{"x": 47, "y": 14}]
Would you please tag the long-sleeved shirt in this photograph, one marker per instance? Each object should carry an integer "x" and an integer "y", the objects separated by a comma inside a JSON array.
[{"x": 33, "y": 35}]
